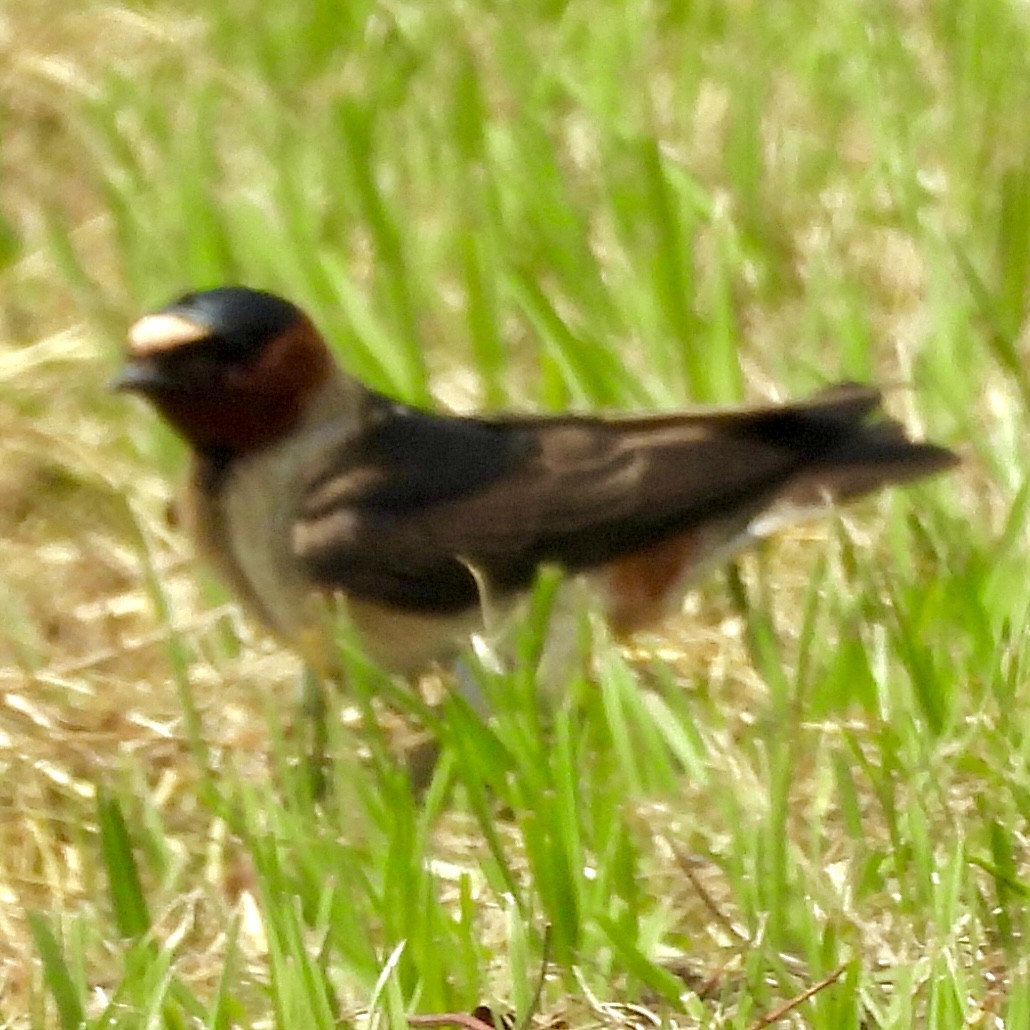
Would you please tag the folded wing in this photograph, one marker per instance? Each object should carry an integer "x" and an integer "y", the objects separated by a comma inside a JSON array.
[{"x": 403, "y": 512}]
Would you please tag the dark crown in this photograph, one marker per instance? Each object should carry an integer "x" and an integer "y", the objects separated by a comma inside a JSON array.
[{"x": 237, "y": 317}]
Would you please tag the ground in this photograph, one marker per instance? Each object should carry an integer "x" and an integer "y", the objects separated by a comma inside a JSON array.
[{"x": 812, "y": 779}]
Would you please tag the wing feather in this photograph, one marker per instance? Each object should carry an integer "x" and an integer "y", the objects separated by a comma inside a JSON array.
[{"x": 398, "y": 513}]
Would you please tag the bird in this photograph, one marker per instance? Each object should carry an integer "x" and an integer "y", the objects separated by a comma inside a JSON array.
[{"x": 318, "y": 498}]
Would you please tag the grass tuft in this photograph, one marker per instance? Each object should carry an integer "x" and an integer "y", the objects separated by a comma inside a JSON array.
[{"x": 803, "y": 798}]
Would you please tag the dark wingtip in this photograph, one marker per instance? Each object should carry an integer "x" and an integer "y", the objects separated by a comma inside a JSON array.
[{"x": 876, "y": 459}]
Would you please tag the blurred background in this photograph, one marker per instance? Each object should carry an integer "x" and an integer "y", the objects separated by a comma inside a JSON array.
[{"x": 817, "y": 770}]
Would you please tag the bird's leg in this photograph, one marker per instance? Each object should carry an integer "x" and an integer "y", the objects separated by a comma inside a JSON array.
[
  {"x": 319, "y": 668},
  {"x": 314, "y": 714},
  {"x": 467, "y": 684}
]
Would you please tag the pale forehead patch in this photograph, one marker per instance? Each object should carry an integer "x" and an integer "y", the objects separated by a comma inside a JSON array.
[{"x": 164, "y": 331}]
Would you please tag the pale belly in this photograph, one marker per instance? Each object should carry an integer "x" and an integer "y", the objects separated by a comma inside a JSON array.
[{"x": 247, "y": 536}]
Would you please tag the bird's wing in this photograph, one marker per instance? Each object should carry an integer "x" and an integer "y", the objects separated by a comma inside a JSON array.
[{"x": 417, "y": 510}]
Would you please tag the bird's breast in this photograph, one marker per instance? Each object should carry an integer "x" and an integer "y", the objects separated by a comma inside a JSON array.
[{"x": 243, "y": 521}]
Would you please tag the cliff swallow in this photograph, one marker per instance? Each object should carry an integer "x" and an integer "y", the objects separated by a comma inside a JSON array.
[{"x": 317, "y": 497}]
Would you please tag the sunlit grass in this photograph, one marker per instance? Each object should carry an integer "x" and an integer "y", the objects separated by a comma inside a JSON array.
[{"x": 816, "y": 773}]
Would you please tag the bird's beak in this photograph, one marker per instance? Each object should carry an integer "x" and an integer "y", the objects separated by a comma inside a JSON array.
[{"x": 139, "y": 375}]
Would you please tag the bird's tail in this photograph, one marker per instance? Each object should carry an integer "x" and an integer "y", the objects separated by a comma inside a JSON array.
[
  {"x": 864, "y": 451},
  {"x": 845, "y": 448}
]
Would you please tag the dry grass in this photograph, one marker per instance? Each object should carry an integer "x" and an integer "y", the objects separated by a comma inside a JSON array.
[{"x": 88, "y": 694}]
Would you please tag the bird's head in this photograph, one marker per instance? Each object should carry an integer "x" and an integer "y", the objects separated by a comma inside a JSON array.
[{"x": 231, "y": 369}]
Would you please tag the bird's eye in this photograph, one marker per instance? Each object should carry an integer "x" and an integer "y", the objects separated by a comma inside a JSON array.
[
  {"x": 220, "y": 351},
  {"x": 230, "y": 350},
  {"x": 195, "y": 365}
]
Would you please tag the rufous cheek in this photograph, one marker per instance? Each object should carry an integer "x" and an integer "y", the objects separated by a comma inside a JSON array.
[
  {"x": 298, "y": 362},
  {"x": 237, "y": 382}
]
